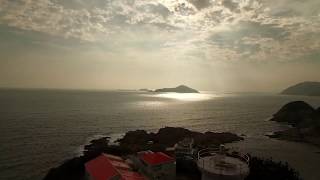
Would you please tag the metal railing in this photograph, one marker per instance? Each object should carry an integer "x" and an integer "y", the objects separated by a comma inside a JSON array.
[
  {"x": 208, "y": 152},
  {"x": 214, "y": 151}
]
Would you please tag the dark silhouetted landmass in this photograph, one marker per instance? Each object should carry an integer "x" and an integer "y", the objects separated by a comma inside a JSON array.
[
  {"x": 304, "y": 119},
  {"x": 179, "y": 89},
  {"x": 267, "y": 169},
  {"x": 138, "y": 140},
  {"x": 295, "y": 113},
  {"x": 168, "y": 136},
  {"x": 145, "y": 90},
  {"x": 131, "y": 143},
  {"x": 304, "y": 88}
]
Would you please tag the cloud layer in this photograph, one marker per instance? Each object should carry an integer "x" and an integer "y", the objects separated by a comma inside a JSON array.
[{"x": 211, "y": 30}]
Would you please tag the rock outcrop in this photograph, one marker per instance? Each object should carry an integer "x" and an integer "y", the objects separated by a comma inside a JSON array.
[
  {"x": 166, "y": 137},
  {"x": 295, "y": 113},
  {"x": 133, "y": 141},
  {"x": 304, "y": 119}
]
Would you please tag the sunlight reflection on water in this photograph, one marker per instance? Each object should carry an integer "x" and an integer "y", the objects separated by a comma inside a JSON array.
[
  {"x": 150, "y": 103},
  {"x": 186, "y": 96}
]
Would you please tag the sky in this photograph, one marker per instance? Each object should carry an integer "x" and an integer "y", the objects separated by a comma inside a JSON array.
[{"x": 217, "y": 45}]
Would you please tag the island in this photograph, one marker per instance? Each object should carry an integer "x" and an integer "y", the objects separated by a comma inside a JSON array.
[
  {"x": 305, "y": 122},
  {"x": 161, "y": 141},
  {"x": 178, "y": 89},
  {"x": 145, "y": 90},
  {"x": 304, "y": 88}
]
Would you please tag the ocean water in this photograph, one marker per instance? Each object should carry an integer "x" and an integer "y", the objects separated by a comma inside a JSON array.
[{"x": 39, "y": 129}]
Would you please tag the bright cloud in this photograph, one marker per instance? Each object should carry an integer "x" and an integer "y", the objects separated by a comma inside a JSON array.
[
  {"x": 206, "y": 32},
  {"x": 243, "y": 28}
]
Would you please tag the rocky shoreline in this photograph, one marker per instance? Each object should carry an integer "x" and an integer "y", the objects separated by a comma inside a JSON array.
[
  {"x": 305, "y": 122},
  {"x": 294, "y": 134},
  {"x": 134, "y": 141},
  {"x": 140, "y": 140}
]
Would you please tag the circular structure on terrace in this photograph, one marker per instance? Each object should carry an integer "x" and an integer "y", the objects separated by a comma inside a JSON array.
[{"x": 216, "y": 164}]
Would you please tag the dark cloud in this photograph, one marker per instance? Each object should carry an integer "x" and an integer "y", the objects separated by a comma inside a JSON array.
[
  {"x": 158, "y": 9},
  {"x": 250, "y": 29},
  {"x": 290, "y": 8},
  {"x": 251, "y": 48},
  {"x": 81, "y": 4},
  {"x": 165, "y": 26},
  {"x": 286, "y": 13},
  {"x": 200, "y": 4},
  {"x": 232, "y": 6},
  {"x": 234, "y": 39}
]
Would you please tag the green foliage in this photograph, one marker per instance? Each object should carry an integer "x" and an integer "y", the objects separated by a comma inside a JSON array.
[{"x": 267, "y": 169}]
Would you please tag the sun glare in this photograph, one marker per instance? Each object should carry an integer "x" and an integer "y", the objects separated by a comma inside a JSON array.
[{"x": 186, "y": 96}]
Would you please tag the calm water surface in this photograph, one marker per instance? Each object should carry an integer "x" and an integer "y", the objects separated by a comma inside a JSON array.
[{"x": 41, "y": 128}]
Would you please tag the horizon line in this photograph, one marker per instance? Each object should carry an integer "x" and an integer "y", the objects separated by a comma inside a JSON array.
[{"x": 119, "y": 89}]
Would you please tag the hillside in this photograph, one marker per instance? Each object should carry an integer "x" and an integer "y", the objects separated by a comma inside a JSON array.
[
  {"x": 304, "y": 88},
  {"x": 305, "y": 121}
]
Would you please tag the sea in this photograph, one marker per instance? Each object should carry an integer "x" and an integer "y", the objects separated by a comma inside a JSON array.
[{"x": 40, "y": 129}]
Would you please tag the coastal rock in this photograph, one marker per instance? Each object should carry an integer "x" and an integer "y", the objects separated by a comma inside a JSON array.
[
  {"x": 292, "y": 134},
  {"x": 95, "y": 147},
  {"x": 304, "y": 88},
  {"x": 295, "y": 113},
  {"x": 74, "y": 169},
  {"x": 209, "y": 138},
  {"x": 171, "y": 135},
  {"x": 178, "y": 89},
  {"x": 304, "y": 118},
  {"x": 138, "y": 137},
  {"x": 168, "y": 136}
]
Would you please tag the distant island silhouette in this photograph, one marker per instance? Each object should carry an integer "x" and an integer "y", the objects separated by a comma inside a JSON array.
[
  {"x": 178, "y": 89},
  {"x": 304, "y": 88},
  {"x": 145, "y": 90}
]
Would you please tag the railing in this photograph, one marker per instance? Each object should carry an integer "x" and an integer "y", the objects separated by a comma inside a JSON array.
[
  {"x": 214, "y": 151},
  {"x": 243, "y": 157},
  {"x": 208, "y": 152}
]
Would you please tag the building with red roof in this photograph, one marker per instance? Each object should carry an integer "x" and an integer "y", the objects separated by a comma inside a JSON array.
[
  {"x": 157, "y": 165},
  {"x": 109, "y": 167}
]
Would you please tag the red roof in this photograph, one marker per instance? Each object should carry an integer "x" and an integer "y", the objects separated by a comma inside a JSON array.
[
  {"x": 157, "y": 158},
  {"x": 120, "y": 165},
  {"x": 105, "y": 167},
  {"x": 100, "y": 168}
]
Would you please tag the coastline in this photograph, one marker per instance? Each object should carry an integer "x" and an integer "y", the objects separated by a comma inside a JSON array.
[
  {"x": 56, "y": 146},
  {"x": 139, "y": 140},
  {"x": 295, "y": 135},
  {"x": 304, "y": 121}
]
